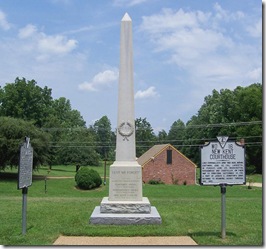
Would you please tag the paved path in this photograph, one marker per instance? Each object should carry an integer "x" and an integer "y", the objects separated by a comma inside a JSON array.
[
  {"x": 125, "y": 241},
  {"x": 255, "y": 184}
]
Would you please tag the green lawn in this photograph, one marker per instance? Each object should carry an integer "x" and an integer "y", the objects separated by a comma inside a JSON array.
[
  {"x": 60, "y": 170},
  {"x": 254, "y": 178},
  {"x": 185, "y": 210}
]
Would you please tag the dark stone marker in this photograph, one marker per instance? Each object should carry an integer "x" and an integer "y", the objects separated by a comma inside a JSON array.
[
  {"x": 25, "y": 177},
  {"x": 25, "y": 165}
]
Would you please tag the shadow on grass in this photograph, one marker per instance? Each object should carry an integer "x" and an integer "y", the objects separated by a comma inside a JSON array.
[
  {"x": 63, "y": 170},
  {"x": 210, "y": 234},
  {"x": 7, "y": 176}
]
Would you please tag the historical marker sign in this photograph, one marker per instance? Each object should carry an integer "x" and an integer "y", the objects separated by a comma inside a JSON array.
[
  {"x": 25, "y": 165},
  {"x": 223, "y": 163}
]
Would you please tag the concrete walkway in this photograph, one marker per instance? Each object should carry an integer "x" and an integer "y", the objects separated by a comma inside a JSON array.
[
  {"x": 255, "y": 184},
  {"x": 125, "y": 241}
]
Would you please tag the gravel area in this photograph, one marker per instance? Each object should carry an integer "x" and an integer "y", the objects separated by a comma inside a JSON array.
[{"x": 125, "y": 241}]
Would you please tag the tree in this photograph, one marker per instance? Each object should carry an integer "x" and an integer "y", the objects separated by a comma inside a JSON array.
[
  {"x": 78, "y": 148},
  {"x": 12, "y": 134},
  {"x": 162, "y": 136},
  {"x": 193, "y": 138},
  {"x": 242, "y": 105},
  {"x": 145, "y": 136},
  {"x": 63, "y": 118},
  {"x": 177, "y": 133},
  {"x": 102, "y": 129},
  {"x": 67, "y": 117},
  {"x": 249, "y": 102},
  {"x": 26, "y": 100},
  {"x": 250, "y": 109}
]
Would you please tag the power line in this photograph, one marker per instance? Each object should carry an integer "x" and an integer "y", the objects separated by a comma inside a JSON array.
[
  {"x": 217, "y": 125},
  {"x": 185, "y": 142},
  {"x": 224, "y": 124},
  {"x": 250, "y": 144},
  {"x": 154, "y": 141}
]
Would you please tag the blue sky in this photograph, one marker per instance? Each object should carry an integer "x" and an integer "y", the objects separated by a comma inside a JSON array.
[{"x": 183, "y": 49}]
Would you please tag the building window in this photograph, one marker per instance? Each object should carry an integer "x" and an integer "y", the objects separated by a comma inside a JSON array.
[{"x": 169, "y": 157}]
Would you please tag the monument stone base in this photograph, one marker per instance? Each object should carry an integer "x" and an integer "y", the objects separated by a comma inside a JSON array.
[
  {"x": 125, "y": 213},
  {"x": 125, "y": 204},
  {"x": 123, "y": 207},
  {"x": 125, "y": 219}
]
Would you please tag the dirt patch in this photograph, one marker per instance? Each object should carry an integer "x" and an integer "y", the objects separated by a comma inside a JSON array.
[{"x": 125, "y": 241}]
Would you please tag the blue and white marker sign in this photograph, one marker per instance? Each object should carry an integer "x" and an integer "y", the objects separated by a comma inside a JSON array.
[{"x": 223, "y": 163}]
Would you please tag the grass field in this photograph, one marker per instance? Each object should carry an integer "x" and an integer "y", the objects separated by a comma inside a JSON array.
[{"x": 185, "y": 210}]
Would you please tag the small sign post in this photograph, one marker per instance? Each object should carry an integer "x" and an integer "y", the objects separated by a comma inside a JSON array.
[
  {"x": 222, "y": 164},
  {"x": 25, "y": 177},
  {"x": 104, "y": 181},
  {"x": 24, "y": 210},
  {"x": 223, "y": 211}
]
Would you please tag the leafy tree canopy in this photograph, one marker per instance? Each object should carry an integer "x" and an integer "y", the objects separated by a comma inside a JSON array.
[
  {"x": 12, "y": 134},
  {"x": 69, "y": 141},
  {"x": 242, "y": 105},
  {"x": 103, "y": 133},
  {"x": 145, "y": 136},
  {"x": 26, "y": 100}
]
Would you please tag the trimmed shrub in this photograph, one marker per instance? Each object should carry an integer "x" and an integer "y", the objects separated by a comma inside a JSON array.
[
  {"x": 154, "y": 182},
  {"x": 87, "y": 178}
]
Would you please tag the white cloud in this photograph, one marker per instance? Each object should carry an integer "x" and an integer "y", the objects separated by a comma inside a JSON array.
[
  {"x": 4, "y": 24},
  {"x": 56, "y": 44},
  {"x": 27, "y": 31},
  {"x": 193, "y": 43},
  {"x": 49, "y": 59},
  {"x": 148, "y": 93},
  {"x": 136, "y": 2},
  {"x": 105, "y": 78},
  {"x": 255, "y": 74},
  {"x": 255, "y": 30},
  {"x": 169, "y": 20},
  {"x": 225, "y": 15},
  {"x": 128, "y": 3},
  {"x": 202, "y": 45},
  {"x": 87, "y": 87},
  {"x": 45, "y": 45},
  {"x": 79, "y": 30}
]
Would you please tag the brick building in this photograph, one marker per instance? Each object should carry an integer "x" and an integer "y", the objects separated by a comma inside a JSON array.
[{"x": 165, "y": 163}]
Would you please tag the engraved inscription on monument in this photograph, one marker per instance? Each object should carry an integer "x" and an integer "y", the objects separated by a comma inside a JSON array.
[
  {"x": 25, "y": 165},
  {"x": 125, "y": 183}
]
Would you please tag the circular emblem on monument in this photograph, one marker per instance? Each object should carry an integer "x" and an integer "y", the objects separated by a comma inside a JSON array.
[{"x": 126, "y": 129}]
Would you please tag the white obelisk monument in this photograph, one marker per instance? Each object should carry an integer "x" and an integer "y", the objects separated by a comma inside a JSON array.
[
  {"x": 125, "y": 204},
  {"x": 125, "y": 173}
]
